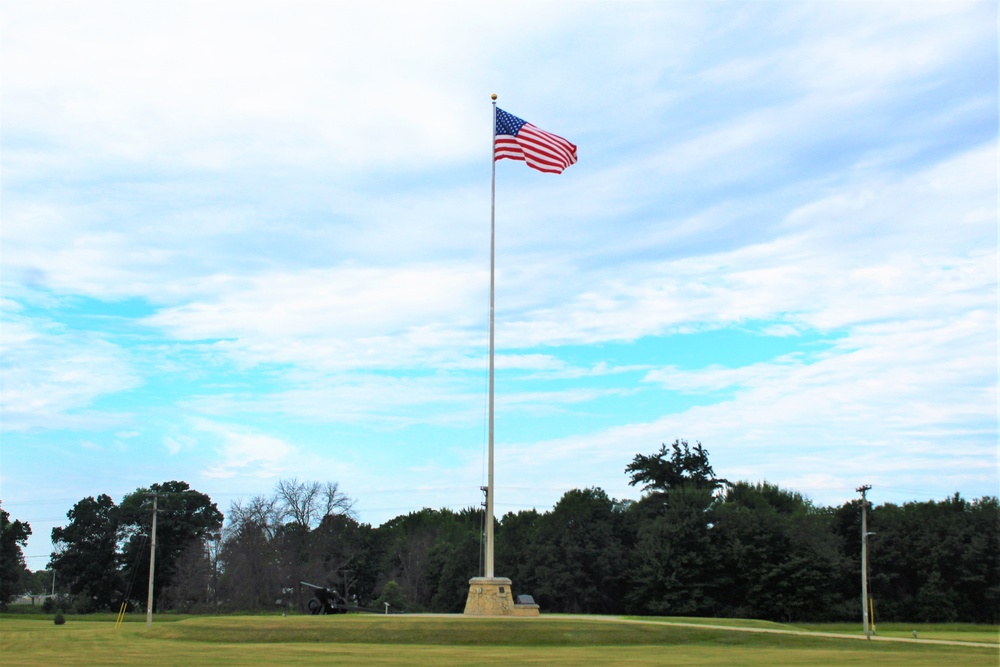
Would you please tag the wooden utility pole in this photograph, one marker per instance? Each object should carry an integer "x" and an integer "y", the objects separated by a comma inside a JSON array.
[
  {"x": 864, "y": 558},
  {"x": 152, "y": 568}
]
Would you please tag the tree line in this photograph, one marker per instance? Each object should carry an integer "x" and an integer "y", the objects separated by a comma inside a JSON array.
[{"x": 692, "y": 545}]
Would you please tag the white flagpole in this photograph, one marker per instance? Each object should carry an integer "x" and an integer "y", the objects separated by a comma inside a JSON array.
[{"x": 489, "y": 485}]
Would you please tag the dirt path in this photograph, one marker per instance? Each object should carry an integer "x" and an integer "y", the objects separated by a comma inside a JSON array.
[{"x": 801, "y": 633}]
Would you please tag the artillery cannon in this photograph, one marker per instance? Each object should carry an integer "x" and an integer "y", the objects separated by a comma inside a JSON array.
[
  {"x": 325, "y": 601},
  {"x": 328, "y": 601}
]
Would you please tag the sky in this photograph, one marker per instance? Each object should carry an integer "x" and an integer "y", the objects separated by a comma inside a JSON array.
[{"x": 250, "y": 241}]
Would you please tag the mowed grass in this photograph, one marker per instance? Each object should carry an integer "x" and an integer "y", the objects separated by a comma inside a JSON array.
[
  {"x": 960, "y": 632},
  {"x": 442, "y": 641}
]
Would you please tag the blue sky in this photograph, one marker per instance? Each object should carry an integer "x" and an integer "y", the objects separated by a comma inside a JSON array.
[{"x": 250, "y": 241}]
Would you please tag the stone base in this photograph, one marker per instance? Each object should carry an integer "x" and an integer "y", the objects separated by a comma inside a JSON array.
[{"x": 491, "y": 596}]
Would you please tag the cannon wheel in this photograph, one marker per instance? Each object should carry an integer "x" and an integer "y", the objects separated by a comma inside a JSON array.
[{"x": 316, "y": 608}]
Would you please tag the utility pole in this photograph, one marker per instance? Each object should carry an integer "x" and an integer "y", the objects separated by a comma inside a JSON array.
[
  {"x": 864, "y": 558},
  {"x": 152, "y": 568}
]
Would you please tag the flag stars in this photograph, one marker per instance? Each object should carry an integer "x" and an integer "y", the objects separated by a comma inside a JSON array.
[{"x": 508, "y": 123}]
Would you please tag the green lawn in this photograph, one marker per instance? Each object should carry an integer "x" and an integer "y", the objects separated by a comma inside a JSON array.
[
  {"x": 962, "y": 632},
  {"x": 438, "y": 640}
]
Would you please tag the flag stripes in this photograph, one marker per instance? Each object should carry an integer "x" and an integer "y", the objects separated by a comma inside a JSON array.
[{"x": 541, "y": 150}]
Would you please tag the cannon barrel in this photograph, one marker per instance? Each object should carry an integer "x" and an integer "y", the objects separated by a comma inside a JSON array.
[{"x": 313, "y": 586}]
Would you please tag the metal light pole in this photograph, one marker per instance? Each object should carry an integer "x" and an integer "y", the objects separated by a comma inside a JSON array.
[{"x": 864, "y": 558}]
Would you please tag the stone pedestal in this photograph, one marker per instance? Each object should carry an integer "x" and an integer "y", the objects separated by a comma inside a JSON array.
[{"x": 491, "y": 596}]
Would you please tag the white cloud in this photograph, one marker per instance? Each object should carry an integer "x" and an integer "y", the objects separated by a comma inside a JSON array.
[
  {"x": 53, "y": 376},
  {"x": 178, "y": 443},
  {"x": 244, "y": 451},
  {"x": 379, "y": 401},
  {"x": 832, "y": 270},
  {"x": 894, "y": 394},
  {"x": 339, "y": 318},
  {"x": 870, "y": 252},
  {"x": 255, "y": 83}
]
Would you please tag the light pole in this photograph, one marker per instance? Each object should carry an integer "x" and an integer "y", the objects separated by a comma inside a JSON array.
[{"x": 864, "y": 558}]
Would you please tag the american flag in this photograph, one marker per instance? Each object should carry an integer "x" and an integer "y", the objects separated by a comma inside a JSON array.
[{"x": 520, "y": 140}]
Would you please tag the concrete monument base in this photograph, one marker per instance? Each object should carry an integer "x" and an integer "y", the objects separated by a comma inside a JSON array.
[{"x": 491, "y": 596}]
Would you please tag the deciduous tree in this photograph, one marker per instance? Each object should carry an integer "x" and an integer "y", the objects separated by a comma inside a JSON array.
[
  {"x": 184, "y": 516},
  {"x": 13, "y": 536},
  {"x": 673, "y": 566},
  {"x": 779, "y": 560},
  {"x": 87, "y": 559},
  {"x": 680, "y": 469},
  {"x": 582, "y": 559}
]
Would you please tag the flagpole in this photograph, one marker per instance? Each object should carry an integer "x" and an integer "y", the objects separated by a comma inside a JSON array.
[
  {"x": 489, "y": 486},
  {"x": 491, "y": 595}
]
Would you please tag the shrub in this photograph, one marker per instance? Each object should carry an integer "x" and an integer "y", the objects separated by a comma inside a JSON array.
[
  {"x": 393, "y": 594},
  {"x": 59, "y": 619}
]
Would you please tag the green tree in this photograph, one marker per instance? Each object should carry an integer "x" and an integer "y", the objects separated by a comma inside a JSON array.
[
  {"x": 184, "y": 516},
  {"x": 520, "y": 550},
  {"x": 454, "y": 559},
  {"x": 936, "y": 561},
  {"x": 192, "y": 587},
  {"x": 581, "y": 555},
  {"x": 392, "y": 593},
  {"x": 779, "y": 559},
  {"x": 417, "y": 548},
  {"x": 680, "y": 467},
  {"x": 13, "y": 536},
  {"x": 673, "y": 566},
  {"x": 341, "y": 553},
  {"x": 38, "y": 582},
  {"x": 87, "y": 559}
]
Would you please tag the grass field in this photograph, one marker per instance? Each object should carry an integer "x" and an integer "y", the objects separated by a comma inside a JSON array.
[
  {"x": 961, "y": 632},
  {"x": 455, "y": 640}
]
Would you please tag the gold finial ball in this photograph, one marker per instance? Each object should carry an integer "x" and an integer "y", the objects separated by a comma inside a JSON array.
[{"x": 493, "y": 96}]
